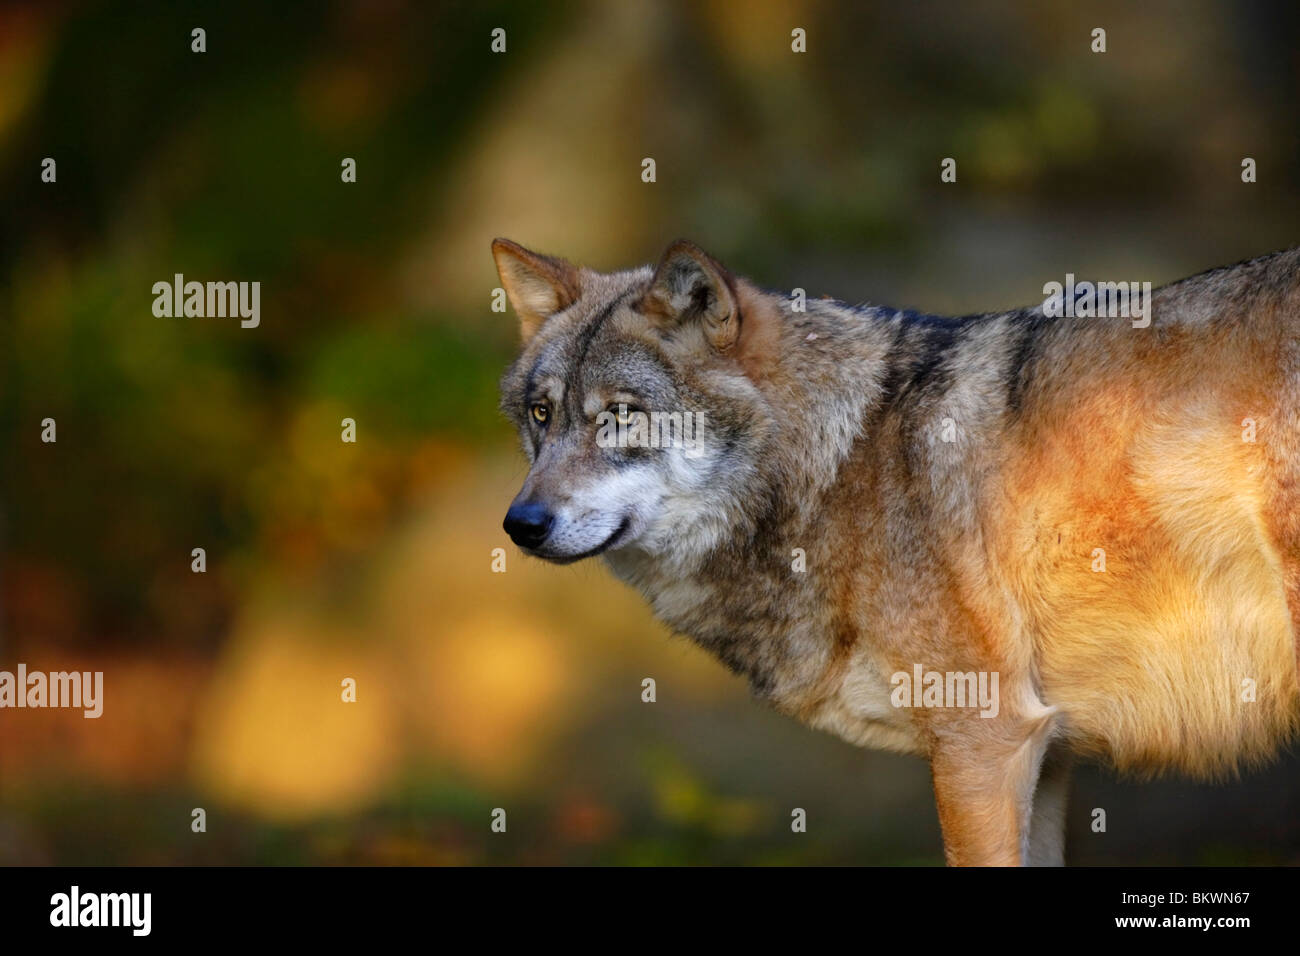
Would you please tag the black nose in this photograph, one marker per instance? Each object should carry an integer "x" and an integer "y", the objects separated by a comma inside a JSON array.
[{"x": 528, "y": 525}]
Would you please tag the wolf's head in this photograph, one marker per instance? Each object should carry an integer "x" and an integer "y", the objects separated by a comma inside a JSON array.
[{"x": 634, "y": 399}]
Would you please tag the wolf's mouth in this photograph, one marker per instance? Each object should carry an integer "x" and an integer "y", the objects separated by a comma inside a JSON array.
[{"x": 605, "y": 545}]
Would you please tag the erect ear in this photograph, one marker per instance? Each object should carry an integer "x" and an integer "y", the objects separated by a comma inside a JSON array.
[
  {"x": 690, "y": 286},
  {"x": 538, "y": 286}
]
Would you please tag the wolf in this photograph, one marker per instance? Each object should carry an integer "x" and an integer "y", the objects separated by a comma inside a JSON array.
[{"x": 1103, "y": 519}]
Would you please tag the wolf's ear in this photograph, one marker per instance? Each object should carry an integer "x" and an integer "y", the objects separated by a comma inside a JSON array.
[
  {"x": 690, "y": 286},
  {"x": 538, "y": 286}
]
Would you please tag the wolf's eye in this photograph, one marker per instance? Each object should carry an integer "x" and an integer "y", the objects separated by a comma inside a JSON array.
[
  {"x": 623, "y": 414},
  {"x": 540, "y": 412}
]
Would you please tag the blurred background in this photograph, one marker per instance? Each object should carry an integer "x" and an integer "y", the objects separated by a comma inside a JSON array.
[{"x": 373, "y": 560}]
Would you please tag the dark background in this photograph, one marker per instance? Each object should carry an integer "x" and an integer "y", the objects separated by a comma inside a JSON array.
[{"x": 326, "y": 560}]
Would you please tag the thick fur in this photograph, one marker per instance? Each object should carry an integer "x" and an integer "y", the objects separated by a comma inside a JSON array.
[{"x": 949, "y": 481}]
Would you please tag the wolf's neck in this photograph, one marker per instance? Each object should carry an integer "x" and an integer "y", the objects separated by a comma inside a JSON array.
[{"x": 738, "y": 581}]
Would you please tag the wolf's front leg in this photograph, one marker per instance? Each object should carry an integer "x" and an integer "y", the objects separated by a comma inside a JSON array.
[
  {"x": 985, "y": 775},
  {"x": 978, "y": 812}
]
